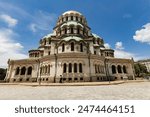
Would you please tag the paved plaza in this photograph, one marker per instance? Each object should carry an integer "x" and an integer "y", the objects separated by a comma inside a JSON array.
[{"x": 127, "y": 91}]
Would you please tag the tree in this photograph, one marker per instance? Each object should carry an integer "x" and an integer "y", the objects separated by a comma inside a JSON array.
[
  {"x": 140, "y": 69},
  {"x": 2, "y": 73}
]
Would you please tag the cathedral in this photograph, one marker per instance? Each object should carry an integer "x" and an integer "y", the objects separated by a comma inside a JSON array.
[{"x": 71, "y": 53}]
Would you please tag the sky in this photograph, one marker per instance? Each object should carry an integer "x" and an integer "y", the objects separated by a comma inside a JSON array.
[{"x": 123, "y": 24}]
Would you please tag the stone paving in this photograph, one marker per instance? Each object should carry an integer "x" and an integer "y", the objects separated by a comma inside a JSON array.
[{"x": 126, "y": 91}]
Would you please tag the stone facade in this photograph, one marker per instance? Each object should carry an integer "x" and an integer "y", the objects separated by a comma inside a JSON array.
[{"x": 72, "y": 53}]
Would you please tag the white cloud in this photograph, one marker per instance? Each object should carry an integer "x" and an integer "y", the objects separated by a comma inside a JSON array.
[
  {"x": 119, "y": 45},
  {"x": 143, "y": 35},
  {"x": 107, "y": 45},
  {"x": 123, "y": 54},
  {"x": 9, "y": 20},
  {"x": 9, "y": 49},
  {"x": 42, "y": 21}
]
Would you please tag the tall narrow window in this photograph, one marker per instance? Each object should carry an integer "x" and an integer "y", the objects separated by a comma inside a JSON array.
[
  {"x": 78, "y": 30},
  {"x": 119, "y": 69},
  {"x": 75, "y": 67},
  {"x": 66, "y": 18},
  {"x": 71, "y": 17},
  {"x": 80, "y": 68},
  {"x": 113, "y": 69},
  {"x": 23, "y": 71},
  {"x": 124, "y": 69},
  {"x": 29, "y": 71},
  {"x": 76, "y": 18},
  {"x": 72, "y": 46},
  {"x": 70, "y": 67},
  {"x": 17, "y": 71},
  {"x": 48, "y": 69},
  {"x": 65, "y": 30},
  {"x": 63, "y": 47},
  {"x": 65, "y": 68},
  {"x": 71, "y": 30},
  {"x": 81, "y": 47}
]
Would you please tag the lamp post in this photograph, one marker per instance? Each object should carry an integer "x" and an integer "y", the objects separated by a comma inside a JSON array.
[{"x": 106, "y": 68}]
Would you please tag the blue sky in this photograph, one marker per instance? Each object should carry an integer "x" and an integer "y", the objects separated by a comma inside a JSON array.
[{"x": 123, "y": 24}]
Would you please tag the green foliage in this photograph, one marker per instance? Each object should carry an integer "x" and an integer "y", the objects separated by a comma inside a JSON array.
[
  {"x": 140, "y": 69},
  {"x": 2, "y": 73}
]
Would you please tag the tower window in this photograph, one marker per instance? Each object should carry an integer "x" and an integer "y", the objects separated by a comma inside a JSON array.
[
  {"x": 71, "y": 17},
  {"x": 72, "y": 46},
  {"x": 78, "y": 30},
  {"x": 65, "y": 30},
  {"x": 72, "y": 30},
  {"x": 81, "y": 47},
  {"x": 63, "y": 47},
  {"x": 66, "y": 18},
  {"x": 76, "y": 18}
]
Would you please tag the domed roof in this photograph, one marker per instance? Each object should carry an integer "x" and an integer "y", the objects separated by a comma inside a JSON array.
[{"x": 71, "y": 12}]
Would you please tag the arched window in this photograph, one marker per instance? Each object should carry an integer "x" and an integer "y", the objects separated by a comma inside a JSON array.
[
  {"x": 65, "y": 30},
  {"x": 80, "y": 68},
  {"x": 76, "y": 18},
  {"x": 66, "y": 18},
  {"x": 23, "y": 71},
  {"x": 72, "y": 46},
  {"x": 71, "y": 17},
  {"x": 81, "y": 47},
  {"x": 71, "y": 30},
  {"x": 29, "y": 72},
  {"x": 113, "y": 69},
  {"x": 44, "y": 42},
  {"x": 65, "y": 68},
  {"x": 17, "y": 71},
  {"x": 70, "y": 67},
  {"x": 119, "y": 69},
  {"x": 124, "y": 69},
  {"x": 63, "y": 47},
  {"x": 78, "y": 30},
  {"x": 75, "y": 67}
]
